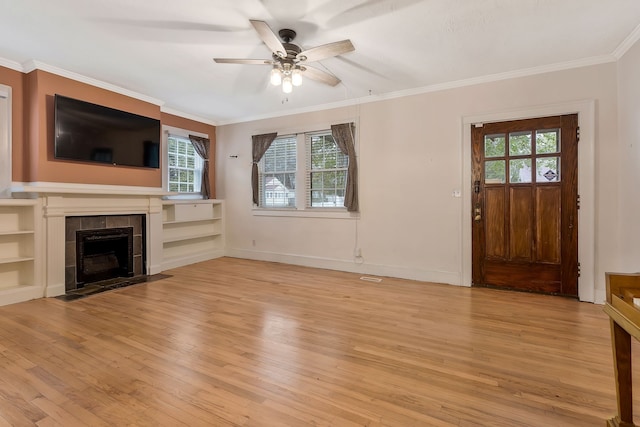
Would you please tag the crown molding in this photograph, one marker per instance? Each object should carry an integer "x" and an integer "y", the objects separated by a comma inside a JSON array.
[
  {"x": 32, "y": 65},
  {"x": 187, "y": 116},
  {"x": 627, "y": 43},
  {"x": 525, "y": 72},
  {"x": 16, "y": 66}
]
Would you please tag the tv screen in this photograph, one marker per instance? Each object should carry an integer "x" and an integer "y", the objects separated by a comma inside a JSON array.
[{"x": 93, "y": 133}]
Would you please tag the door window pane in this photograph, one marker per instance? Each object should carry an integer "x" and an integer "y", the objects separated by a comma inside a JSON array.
[
  {"x": 494, "y": 172},
  {"x": 494, "y": 145},
  {"x": 520, "y": 170},
  {"x": 519, "y": 143},
  {"x": 548, "y": 169},
  {"x": 547, "y": 141}
]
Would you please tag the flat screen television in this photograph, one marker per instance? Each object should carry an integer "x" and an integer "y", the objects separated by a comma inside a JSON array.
[{"x": 93, "y": 133}]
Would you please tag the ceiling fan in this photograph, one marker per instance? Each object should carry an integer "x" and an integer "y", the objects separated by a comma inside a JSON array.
[{"x": 289, "y": 61}]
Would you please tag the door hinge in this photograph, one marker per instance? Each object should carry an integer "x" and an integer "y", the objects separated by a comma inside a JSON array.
[
  {"x": 578, "y": 134},
  {"x": 578, "y": 269},
  {"x": 578, "y": 202}
]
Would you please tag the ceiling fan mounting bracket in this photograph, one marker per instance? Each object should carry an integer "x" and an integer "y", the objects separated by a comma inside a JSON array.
[{"x": 287, "y": 35}]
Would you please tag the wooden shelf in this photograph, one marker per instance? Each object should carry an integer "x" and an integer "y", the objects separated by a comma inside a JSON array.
[
  {"x": 193, "y": 231},
  {"x": 19, "y": 240},
  {"x": 191, "y": 237},
  {"x": 15, "y": 259}
]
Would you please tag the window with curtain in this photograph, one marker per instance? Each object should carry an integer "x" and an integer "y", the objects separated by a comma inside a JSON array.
[
  {"x": 277, "y": 174},
  {"x": 304, "y": 171},
  {"x": 184, "y": 166},
  {"x": 326, "y": 171}
]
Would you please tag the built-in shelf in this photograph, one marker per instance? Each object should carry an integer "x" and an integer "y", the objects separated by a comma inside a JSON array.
[
  {"x": 18, "y": 250},
  {"x": 192, "y": 231}
]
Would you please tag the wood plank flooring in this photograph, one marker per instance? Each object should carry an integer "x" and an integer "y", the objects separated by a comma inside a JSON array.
[{"x": 233, "y": 342}]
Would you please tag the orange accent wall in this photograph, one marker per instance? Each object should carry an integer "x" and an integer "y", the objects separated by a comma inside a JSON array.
[
  {"x": 192, "y": 125},
  {"x": 41, "y": 87},
  {"x": 32, "y": 121}
]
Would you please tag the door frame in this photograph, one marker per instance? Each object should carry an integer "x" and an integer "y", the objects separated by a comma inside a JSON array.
[{"x": 586, "y": 185}]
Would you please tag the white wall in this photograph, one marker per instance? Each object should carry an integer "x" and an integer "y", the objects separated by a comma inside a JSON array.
[
  {"x": 628, "y": 251},
  {"x": 410, "y": 162}
]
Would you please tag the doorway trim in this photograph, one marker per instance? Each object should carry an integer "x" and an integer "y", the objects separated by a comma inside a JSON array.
[{"x": 586, "y": 184}]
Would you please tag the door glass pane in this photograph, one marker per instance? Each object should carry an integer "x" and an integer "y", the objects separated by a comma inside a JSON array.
[
  {"x": 494, "y": 145},
  {"x": 519, "y": 143},
  {"x": 494, "y": 172},
  {"x": 548, "y": 169},
  {"x": 547, "y": 141},
  {"x": 520, "y": 170}
]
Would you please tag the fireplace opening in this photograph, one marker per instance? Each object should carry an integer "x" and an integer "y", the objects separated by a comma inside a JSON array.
[{"x": 102, "y": 254}]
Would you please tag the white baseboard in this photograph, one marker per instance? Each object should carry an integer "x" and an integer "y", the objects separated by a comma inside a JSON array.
[
  {"x": 450, "y": 278},
  {"x": 20, "y": 294},
  {"x": 55, "y": 290},
  {"x": 190, "y": 259}
]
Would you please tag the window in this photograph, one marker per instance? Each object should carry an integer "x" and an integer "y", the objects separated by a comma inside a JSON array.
[
  {"x": 319, "y": 183},
  {"x": 326, "y": 172},
  {"x": 184, "y": 166},
  {"x": 5, "y": 141},
  {"x": 278, "y": 174}
]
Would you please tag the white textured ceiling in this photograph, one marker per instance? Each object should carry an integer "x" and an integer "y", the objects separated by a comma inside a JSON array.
[{"x": 163, "y": 49}]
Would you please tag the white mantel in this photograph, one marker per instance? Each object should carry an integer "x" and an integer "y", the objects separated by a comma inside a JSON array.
[{"x": 59, "y": 201}]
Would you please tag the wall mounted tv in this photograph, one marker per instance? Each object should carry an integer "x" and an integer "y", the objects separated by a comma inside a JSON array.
[{"x": 93, "y": 133}]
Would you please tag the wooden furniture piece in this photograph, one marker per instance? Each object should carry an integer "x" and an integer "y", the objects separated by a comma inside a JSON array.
[{"x": 625, "y": 322}]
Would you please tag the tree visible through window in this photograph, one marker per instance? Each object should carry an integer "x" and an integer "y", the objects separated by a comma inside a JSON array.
[
  {"x": 327, "y": 169},
  {"x": 185, "y": 166},
  {"x": 311, "y": 162}
]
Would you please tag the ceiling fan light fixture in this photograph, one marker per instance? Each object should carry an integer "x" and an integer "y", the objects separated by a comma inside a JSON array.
[
  {"x": 276, "y": 76},
  {"x": 296, "y": 77},
  {"x": 287, "y": 84}
]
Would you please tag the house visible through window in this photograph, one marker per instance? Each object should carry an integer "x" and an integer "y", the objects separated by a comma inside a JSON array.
[
  {"x": 184, "y": 166},
  {"x": 278, "y": 174},
  {"x": 310, "y": 162}
]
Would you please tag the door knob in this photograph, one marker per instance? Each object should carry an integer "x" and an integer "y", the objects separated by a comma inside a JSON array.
[{"x": 477, "y": 214}]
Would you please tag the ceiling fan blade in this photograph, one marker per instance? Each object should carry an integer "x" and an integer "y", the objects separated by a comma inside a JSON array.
[
  {"x": 243, "y": 61},
  {"x": 325, "y": 51},
  {"x": 269, "y": 38},
  {"x": 320, "y": 76}
]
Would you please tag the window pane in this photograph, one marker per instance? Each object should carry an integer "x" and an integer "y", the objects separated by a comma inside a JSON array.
[
  {"x": 548, "y": 169},
  {"x": 494, "y": 145},
  {"x": 185, "y": 166},
  {"x": 494, "y": 172},
  {"x": 547, "y": 141},
  {"x": 328, "y": 184},
  {"x": 316, "y": 180},
  {"x": 520, "y": 170},
  {"x": 519, "y": 143}
]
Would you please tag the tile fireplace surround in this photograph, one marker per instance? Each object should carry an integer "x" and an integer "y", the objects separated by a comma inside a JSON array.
[{"x": 59, "y": 204}]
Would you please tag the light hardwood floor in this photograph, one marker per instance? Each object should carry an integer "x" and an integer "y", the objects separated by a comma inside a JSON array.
[{"x": 237, "y": 342}]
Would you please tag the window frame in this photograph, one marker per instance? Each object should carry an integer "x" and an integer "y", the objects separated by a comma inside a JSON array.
[
  {"x": 168, "y": 131},
  {"x": 5, "y": 141},
  {"x": 302, "y": 177}
]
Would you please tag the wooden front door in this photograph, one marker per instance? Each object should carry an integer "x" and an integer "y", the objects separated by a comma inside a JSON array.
[{"x": 525, "y": 204}]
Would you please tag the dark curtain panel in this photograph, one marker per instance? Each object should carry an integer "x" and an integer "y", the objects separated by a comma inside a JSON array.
[
  {"x": 261, "y": 144},
  {"x": 201, "y": 145},
  {"x": 343, "y": 135}
]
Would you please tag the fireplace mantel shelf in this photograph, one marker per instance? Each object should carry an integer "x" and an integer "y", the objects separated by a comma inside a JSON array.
[{"x": 29, "y": 190}]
